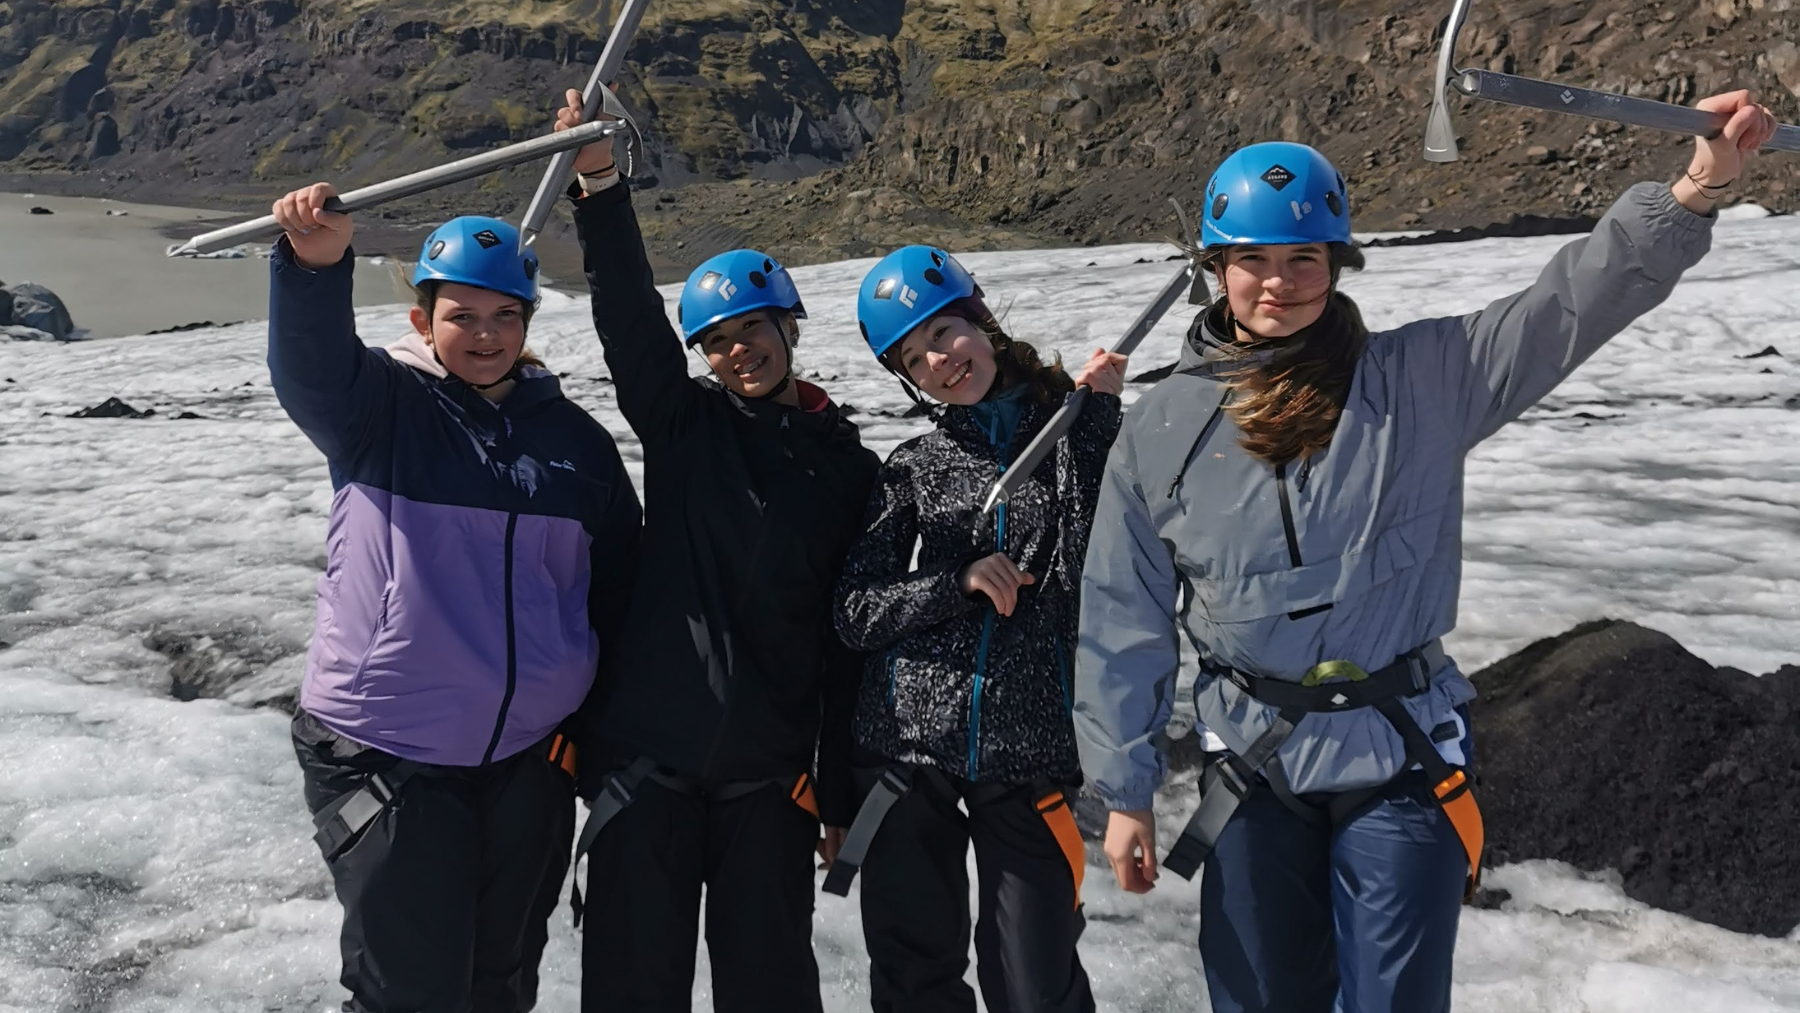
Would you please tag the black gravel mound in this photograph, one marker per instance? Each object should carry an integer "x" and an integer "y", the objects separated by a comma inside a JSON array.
[{"x": 1612, "y": 747}]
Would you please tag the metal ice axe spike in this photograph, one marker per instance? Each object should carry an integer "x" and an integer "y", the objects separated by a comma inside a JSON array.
[
  {"x": 415, "y": 183},
  {"x": 1064, "y": 419},
  {"x": 611, "y": 59},
  {"x": 1511, "y": 89}
]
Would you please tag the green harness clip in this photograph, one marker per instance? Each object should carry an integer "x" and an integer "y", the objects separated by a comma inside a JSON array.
[{"x": 1332, "y": 671}]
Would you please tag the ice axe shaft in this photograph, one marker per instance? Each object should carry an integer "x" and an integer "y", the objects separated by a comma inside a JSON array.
[
  {"x": 1064, "y": 419},
  {"x": 415, "y": 183},
  {"x": 1603, "y": 105},
  {"x": 612, "y": 58}
]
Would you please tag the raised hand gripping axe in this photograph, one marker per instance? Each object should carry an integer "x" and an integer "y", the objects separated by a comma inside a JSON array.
[
  {"x": 1511, "y": 89},
  {"x": 593, "y": 98},
  {"x": 1064, "y": 419}
]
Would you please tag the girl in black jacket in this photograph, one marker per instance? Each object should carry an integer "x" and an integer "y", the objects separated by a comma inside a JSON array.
[
  {"x": 966, "y": 693},
  {"x": 728, "y": 671}
]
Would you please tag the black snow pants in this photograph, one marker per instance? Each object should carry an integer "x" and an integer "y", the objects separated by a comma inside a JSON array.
[
  {"x": 915, "y": 899},
  {"x": 447, "y": 896},
  {"x": 754, "y": 854}
]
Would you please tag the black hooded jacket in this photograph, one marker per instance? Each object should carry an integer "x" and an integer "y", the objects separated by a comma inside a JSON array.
[{"x": 727, "y": 659}]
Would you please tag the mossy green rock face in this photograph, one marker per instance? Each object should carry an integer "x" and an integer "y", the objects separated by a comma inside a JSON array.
[
  {"x": 968, "y": 122},
  {"x": 280, "y": 90}
]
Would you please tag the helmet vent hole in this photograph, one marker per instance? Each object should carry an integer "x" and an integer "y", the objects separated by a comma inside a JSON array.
[
  {"x": 1218, "y": 206},
  {"x": 937, "y": 258},
  {"x": 758, "y": 279},
  {"x": 437, "y": 250},
  {"x": 934, "y": 276},
  {"x": 1334, "y": 202},
  {"x": 768, "y": 266}
]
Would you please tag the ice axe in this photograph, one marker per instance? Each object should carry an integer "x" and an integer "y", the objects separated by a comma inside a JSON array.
[
  {"x": 1511, "y": 89},
  {"x": 595, "y": 96},
  {"x": 413, "y": 183},
  {"x": 1064, "y": 419}
]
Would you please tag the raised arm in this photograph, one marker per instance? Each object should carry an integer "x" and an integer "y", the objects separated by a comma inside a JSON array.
[
  {"x": 1503, "y": 359},
  {"x": 649, "y": 369},
  {"x": 334, "y": 388}
]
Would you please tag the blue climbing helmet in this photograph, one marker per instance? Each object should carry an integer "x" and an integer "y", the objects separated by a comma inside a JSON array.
[
  {"x": 906, "y": 288},
  {"x": 479, "y": 251},
  {"x": 1275, "y": 194},
  {"x": 732, "y": 284}
]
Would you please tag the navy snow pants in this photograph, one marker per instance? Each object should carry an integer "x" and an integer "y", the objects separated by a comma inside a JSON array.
[{"x": 1357, "y": 918}]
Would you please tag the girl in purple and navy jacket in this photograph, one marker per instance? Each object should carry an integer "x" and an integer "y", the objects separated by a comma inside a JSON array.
[{"x": 483, "y": 534}]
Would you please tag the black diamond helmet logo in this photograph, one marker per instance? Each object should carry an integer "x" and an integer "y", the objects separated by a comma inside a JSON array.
[
  {"x": 1277, "y": 177},
  {"x": 487, "y": 239}
]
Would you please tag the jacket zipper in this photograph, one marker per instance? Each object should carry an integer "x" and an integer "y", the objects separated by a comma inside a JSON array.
[
  {"x": 981, "y": 655},
  {"x": 1287, "y": 516},
  {"x": 1293, "y": 538},
  {"x": 987, "y": 623},
  {"x": 890, "y": 660},
  {"x": 512, "y": 654}
]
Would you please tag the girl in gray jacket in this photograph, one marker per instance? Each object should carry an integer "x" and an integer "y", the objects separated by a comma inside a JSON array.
[{"x": 1292, "y": 497}]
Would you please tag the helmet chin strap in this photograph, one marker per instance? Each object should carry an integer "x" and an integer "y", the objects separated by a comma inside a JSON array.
[
  {"x": 511, "y": 374},
  {"x": 787, "y": 380}
]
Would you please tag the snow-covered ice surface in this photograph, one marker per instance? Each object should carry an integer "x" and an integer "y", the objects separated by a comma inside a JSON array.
[{"x": 155, "y": 855}]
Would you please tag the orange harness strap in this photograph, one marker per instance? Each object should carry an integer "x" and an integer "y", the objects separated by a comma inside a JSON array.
[{"x": 1054, "y": 808}]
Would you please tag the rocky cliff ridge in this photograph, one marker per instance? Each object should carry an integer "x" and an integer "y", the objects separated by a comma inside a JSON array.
[{"x": 971, "y": 122}]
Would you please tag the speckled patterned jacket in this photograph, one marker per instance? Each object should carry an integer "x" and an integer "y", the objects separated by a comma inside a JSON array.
[{"x": 950, "y": 682}]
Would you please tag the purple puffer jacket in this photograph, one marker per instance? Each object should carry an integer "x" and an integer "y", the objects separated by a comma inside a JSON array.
[{"x": 478, "y": 553}]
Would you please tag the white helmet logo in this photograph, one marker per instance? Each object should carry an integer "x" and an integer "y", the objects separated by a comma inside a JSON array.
[
  {"x": 908, "y": 296},
  {"x": 727, "y": 289},
  {"x": 1300, "y": 210}
]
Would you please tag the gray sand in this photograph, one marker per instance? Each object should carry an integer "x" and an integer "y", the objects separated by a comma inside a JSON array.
[{"x": 116, "y": 280}]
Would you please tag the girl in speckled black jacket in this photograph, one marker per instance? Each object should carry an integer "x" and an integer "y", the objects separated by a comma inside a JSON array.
[{"x": 966, "y": 693}]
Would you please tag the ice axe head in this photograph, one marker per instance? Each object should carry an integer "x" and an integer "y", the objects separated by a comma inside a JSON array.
[{"x": 1440, "y": 129}]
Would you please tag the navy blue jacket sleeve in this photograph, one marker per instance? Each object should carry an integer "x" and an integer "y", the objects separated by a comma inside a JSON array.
[
  {"x": 336, "y": 390},
  {"x": 643, "y": 352},
  {"x": 615, "y": 553}
]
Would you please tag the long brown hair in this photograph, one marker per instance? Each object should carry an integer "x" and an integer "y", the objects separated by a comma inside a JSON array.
[
  {"x": 1017, "y": 362},
  {"x": 425, "y": 297},
  {"x": 1286, "y": 405}
]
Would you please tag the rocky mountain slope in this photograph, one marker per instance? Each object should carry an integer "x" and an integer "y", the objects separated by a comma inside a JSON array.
[{"x": 973, "y": 122}]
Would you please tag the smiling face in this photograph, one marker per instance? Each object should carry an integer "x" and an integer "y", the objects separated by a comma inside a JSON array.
[
  {"x": 1276, "y": 291},
  {"x": 476, "y": 332},
  {"x": 949, "y": 359},
  {"x": 749, "y": 354}
]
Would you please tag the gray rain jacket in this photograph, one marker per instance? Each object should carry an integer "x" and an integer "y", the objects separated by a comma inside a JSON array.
[{"x": 1189, "y": 526}]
